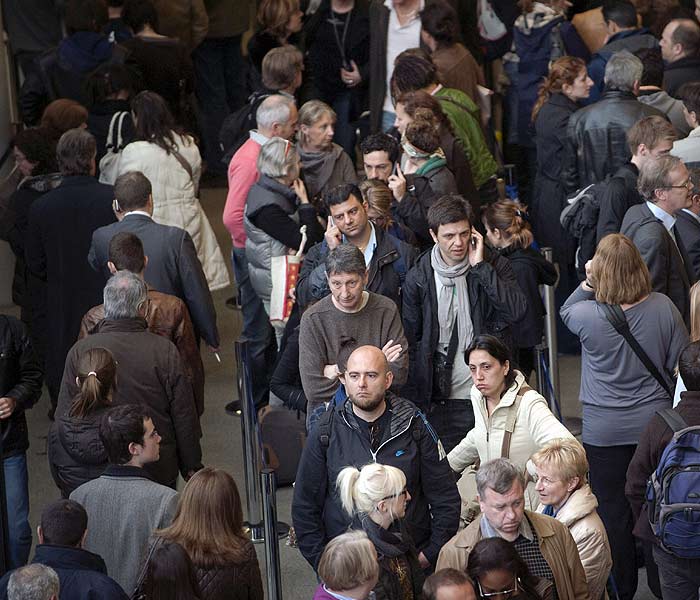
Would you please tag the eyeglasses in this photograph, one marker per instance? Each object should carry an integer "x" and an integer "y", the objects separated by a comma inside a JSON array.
[
  {"x": 401, "y": 494},
  {"x": 501, "y": 594},
  {"x": 687, "y": 184}
]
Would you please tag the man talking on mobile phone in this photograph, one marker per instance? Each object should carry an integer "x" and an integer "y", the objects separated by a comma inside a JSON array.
[{"x": 455, "y": 292}]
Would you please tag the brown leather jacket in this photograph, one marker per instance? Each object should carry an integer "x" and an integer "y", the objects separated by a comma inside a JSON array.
[{"x": 166, "y": 316}]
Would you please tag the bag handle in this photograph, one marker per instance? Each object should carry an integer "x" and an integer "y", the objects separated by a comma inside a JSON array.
[
  {"x": 138, "y": 592},
  {"x": 672, "y": 419},
  {"x": 616, "y": 316},
  {"x": 511, "y": 417},
  {"x": 183, "y": 162}
]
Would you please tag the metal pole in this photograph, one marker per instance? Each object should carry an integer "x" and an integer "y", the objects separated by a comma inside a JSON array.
[
  {"x": 251, "y": 447},
  {"x": 4, "y": 539},
  {"x": 551, "y": 331},
  {"x": 272, "y": 548},
  {"x": 539, "y": 372}
]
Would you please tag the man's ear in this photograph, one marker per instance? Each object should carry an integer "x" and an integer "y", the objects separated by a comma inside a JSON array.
[
  {"x": 82, "y": 539},
  {"x": 389, "y": 379},
  {"x": 134, "y": 449},
  {"x": 433, "y": 235},
  {"x": 40, "y": 534},
  {"x": 111, "y": 267},
  {"x": 341, "y": 376},
  {"x": 145, "y": 261}
]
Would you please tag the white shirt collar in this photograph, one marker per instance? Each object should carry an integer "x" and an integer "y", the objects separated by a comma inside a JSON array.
[
  {"x": 692, "y": 214},
  {"x": 138, "y": 212},
  {"x": 371, "y": 244},
  {"x": 258, "y": 137},
  {"x": 390, "y": 5},
  {"x": 668, "y": 220}
]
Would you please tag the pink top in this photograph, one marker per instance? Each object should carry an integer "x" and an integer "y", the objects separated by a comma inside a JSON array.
[{"x": 242, "y": 174}]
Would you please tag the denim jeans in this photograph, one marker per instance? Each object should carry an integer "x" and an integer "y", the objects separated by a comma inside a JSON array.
[
  {"x": 344, "y": 130},
  {"x": 680, "y": 577},
  {"x": 451, "y": 420},
  {"x": 262, "y": 344},
  {"x": 388, "y": 120},
  {"x": 17, "y": 497},
  {"x": 220, "y": 88}
]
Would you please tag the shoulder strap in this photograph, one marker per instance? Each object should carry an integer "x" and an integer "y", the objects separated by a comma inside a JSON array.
[
  {"x": 511, "y": 417},
  {"x": 454, "y": 340},
  {"x": 138, "y": 591},
  {"x": 672, "y": 419},
  {"x": 324, "y": 427},
  {"x": 111, "y": 142},
  {"x": 185, "y": 165},
  {"x": 617, "y": 318}
]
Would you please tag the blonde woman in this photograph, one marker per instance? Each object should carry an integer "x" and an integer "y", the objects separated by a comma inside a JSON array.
[
  {"x": 376, "y": 497},
  {"x": 562, "y": 484},
  {"x": 694, "y": 335},
  {"x": 325, "y": 164},
  {"x": 348, "y": 568}
]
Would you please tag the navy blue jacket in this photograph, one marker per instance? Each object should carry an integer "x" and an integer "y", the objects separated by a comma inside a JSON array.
[{"x": 83, "y": 575}]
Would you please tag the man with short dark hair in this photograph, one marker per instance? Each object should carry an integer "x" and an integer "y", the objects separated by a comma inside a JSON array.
[
  {"x": 61, "y": 224},
  {"x": 680, "y": 578},
  {"x": 620, "y": 18},
  {"x": 455, "y": 292},
  {"x": 680, "y": 46},
  {"x": 448, "y": 584},
  {"x": 347, "y": 318},
  {"x": 380, "y": 151},
  {"x": 173, "y": 266},
  {"x": 373, "y": 425},
  {"x": 150, "y": 371},
  {"x": 665, "y": 186},
  {"x": 387, "y": 258},
  {"x": 166, "y": 314},
  {"x": 543, "y": 543},
  {"x": 125, "y": 505},
  {"x": 82, "y": 574}
]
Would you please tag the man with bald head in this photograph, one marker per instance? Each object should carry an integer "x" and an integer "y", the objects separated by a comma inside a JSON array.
[
  {"x": 680, "y": 46},
  {"x": 374, "y": 425}
]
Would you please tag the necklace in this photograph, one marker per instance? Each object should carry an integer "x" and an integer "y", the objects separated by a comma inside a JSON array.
[{"x": 340, "y": 42}]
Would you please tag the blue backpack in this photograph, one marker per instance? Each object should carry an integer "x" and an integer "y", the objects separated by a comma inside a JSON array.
[{"x": 673, "y": 491}]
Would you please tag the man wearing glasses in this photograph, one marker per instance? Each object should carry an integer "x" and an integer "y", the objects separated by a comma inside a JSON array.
[
  {"x": 543, "y": 543},
  {"x": 665, "y": 185}
]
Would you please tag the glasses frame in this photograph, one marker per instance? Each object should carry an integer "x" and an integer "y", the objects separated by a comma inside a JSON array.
[{"x": 485, "y": 595}]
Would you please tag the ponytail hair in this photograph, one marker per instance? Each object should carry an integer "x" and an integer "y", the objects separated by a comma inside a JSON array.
[
  {"x": 509, "y": 218},
  {"x": 562, "y": 71},
  {"x": 97, "y": 372},
  {"x": 360, "y": 490}
]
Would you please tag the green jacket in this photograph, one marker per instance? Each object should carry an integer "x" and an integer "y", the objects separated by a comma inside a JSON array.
[{"x": 464, "y": 117}]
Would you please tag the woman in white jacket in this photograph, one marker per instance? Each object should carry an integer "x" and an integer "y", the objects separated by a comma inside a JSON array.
[
  {"x": 562, "y": 484},
  {"x": 500, "y": 398},
  {"x": 171, "y": 162}
]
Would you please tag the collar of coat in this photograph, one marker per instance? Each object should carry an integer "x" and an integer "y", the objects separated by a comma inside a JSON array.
[
  {"x": 135, "y": 325},
  {"x": 402, "y": 413},
  {"x": 468, "y": 537}
]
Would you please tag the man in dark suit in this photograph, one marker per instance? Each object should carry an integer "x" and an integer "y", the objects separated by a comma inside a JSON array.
[
  {"x": 173, "y": 267},
  {"x": 60, "y": 228},
  {"x": 688, "y": 224},
  {"x": 665, "y": 186}
]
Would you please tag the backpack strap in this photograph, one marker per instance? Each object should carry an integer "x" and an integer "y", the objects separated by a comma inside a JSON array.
[
  {"x": 672, "y": 419},
  {"x": 324, "y": 427},
  {"x": 617, "y": 318},
  {"x": 511, "y": 417}
]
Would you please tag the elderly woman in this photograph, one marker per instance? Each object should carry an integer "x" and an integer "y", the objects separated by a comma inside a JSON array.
[
  {"x": 618, "y": 394},
  {"x": 348, "y": 568},
  {"x": 376, "y": 497},
  {"x": 562, "y": 483},
  {"x": 500, "y": 394},
  {"x": 325, "y": 164},
  {"x": 276, "y": 208},
  {"x": 172, "y": 163}
]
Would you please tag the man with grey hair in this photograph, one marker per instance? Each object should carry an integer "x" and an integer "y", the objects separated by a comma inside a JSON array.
[
  {"x": 277, "y": 117},
  {"x": 543, "y": 543},
  {"x": 150, "y": 371},
  {"x": 347, "y": 318},
  {"x": 61, "y": 224},
  {"x": 665, "y": 185},
  {"x": 33, "y": 582},
  {"x": 597, "y": 134}
]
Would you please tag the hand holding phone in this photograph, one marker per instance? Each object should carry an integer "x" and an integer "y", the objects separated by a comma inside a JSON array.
[
  {"x": 332, "y": 236},
  {"x": 476, "y": 248}
]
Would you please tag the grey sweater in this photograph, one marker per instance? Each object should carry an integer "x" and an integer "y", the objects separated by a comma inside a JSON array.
[
  {"x": 124, "y": 507},
  {"x": 618, "y": 393},
  {"x": 324, "y": 328}
]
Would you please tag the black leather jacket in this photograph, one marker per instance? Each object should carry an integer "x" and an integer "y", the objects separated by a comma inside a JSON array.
[{"x": 20, "y": 379}]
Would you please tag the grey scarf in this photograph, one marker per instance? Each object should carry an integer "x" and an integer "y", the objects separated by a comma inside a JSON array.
[{"x": 454, "y": 286}]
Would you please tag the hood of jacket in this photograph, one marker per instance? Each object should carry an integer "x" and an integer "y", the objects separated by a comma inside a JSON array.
[
  {"x": 538, "y": 18},
  {"x": 41, "y": 183},
  {"x": 268, "y": 191},
  {"x": 135, "y": 325},
  {"x": 81, "y": 438},
  {"x": 506, "y": 400},
  {"x": 65, "y": 557},
  {"x": 546, "y": 272},
  {"x": 84, "y": 51},
  {"x": 402, "y": 413},
  {"x": 579, "y": 505},
  {"x": 632, "y": 40}
]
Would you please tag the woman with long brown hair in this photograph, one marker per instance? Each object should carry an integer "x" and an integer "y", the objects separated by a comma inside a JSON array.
[
  {"x": 618, "y": 393},
  {"x": 76, "y": 452},
  {"x": 208, "y": 524}
]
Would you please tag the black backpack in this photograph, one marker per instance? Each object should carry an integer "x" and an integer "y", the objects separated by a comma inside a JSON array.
[
  {"x": 236, "y": 127},
  {"x": 579, "y": 219}
]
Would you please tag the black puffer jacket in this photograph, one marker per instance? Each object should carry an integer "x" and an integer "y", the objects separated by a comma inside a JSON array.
[
  {"x": 20, "y": 379},
  {"x": 76, "y": 452},
  {"x": 233, "y": 581},
  {"x": 597, "y": 137}
]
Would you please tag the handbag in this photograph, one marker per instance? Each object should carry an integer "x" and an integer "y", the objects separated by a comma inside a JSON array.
[
  {"x": 616, "y": 316},
  {"x": 284, "y": 271},
  {"x": 109, "y": 163},
  {"x": 139, "y": 593},
  {"x": 443, "y": 365}
]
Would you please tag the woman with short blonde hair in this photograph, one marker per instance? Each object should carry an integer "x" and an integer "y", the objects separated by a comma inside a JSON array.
[
  {"x": 348, "y": 567},
  {"x": 562, "y": 484},
  {"x": 376, "y": 497},
  {"x": 618, "y": 393}
]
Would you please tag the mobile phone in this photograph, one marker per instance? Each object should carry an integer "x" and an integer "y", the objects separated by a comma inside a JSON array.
[
  {"x": 395, "y": 168},
  {"x": 473, "y": 241},
  {"x": 331, "y": 222}
]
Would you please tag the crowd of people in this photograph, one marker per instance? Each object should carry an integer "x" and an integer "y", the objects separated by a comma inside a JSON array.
[{"x": 367, "y": 141}]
